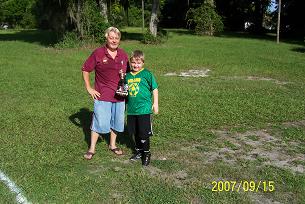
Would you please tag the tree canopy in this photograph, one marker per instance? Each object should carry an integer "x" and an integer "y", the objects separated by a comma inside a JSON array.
[{"x": 85, "y": 16}]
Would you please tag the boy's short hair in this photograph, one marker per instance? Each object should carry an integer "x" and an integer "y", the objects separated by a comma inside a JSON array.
[
  {"x": 137, "y": 54},
  {"x": 112, "y": 29}
]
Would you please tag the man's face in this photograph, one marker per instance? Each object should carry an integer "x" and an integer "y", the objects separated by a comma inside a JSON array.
[{"x": 113, "y": 40}]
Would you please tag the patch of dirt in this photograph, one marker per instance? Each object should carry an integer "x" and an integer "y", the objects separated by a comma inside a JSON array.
[
  {"x": 252, "y": 145},
  {"x": 179, "y": 178},
  {"x": 116, "y": 195},
  {"x": 266, "y": 79},
  {"x": 254, "y": 78},
  {"x": 195, "y": 200},
  {"x": 127, "y": 161},
  {"x": 97, "y": 169},
  {"x": 190, "y": 73},
  {"x": 300, "y": 123},
  {"x": 171, "y": 74},
  {"x": 154, "y": 171},
  {"x": 257, "y": 198}
]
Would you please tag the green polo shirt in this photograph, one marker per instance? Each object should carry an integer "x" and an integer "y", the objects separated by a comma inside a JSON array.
[{"x": 141, "y": 85}]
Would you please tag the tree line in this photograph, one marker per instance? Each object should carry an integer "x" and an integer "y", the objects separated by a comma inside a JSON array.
[{"x": 89, "y": 17}]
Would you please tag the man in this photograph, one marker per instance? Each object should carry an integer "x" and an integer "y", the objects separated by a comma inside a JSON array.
[{"x": 108, "y": 116}]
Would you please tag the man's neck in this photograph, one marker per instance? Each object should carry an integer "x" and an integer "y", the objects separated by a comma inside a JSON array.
[
  {"x": 112, "y": 52},
  {"x": 111, "y": 49}
]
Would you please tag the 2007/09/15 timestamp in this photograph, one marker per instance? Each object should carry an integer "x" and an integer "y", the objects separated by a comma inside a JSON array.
[{"x": 243, "y": 185}]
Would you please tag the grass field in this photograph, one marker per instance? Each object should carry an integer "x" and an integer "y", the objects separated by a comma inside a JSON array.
[{"x": 243, "y": 123}]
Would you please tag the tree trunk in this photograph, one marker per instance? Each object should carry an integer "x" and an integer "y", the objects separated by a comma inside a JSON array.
[
  {"x": 260, "y": 10},
  {"x": 154, "y": 18},
  {"x": 278, "y": 22},
  {"x": 143, "y": 19},
  {"x": 125, "y": 4},
  {"x": 103, "y": 9},
  {"x": 75, "y": 13},
  {"x": 79, "y": 18}
]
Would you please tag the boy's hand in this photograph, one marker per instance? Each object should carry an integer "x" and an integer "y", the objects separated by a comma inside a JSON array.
[
  {"x": 155, "y": 108},
  {"x": 94, "y": 94}
]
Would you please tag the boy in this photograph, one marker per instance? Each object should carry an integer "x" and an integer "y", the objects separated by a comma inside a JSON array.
[{"x": 142, "y": 85}]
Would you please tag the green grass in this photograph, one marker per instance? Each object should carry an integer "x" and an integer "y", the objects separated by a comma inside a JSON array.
[{"x": 45, "y": 119}]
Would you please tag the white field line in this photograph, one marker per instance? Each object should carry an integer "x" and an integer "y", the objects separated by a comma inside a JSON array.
[{"x": 13, "y": 188}]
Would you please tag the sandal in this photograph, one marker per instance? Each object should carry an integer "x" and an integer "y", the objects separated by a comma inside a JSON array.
[
  {"x": 89, "y": 155},
  {"x": 116, "y": 151}
]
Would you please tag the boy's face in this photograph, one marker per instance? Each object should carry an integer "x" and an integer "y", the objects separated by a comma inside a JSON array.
[{"x": 136, "y": 64}]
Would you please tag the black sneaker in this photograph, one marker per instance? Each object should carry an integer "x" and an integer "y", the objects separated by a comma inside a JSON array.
[
  {"x": 136, "y": 156},
  {"x": 146, "y": 158}
]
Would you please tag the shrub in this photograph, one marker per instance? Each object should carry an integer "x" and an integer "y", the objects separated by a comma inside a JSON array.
[
  {"x": 69, "y": 40},
  {"x": 117, "y": 15},
  {"x": 204, "y": 19},
  {"x": 148, "y": 38},
  {"x": 28, "y": 20},
  {"x": 135, "y": 16},
  {"x": 94, "y": 23}
]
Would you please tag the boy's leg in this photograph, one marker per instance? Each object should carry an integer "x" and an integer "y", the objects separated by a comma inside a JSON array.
[
  {"x": 145, "y": 131},
  {"x": 146, "y": 152},
  {"x": 138, "y": 149},
  {"x": 138, "y": 144},
  {"x": 146, "y": 144},
  {"x": 132, "y": 125}
]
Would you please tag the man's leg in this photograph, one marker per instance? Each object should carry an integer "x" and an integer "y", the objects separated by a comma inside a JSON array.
[
  {"x": 94, "y": 138},
  {"x": 112, "y": 143},
  {"x": 102, "y": 114},
  {"x": 113, "y": 136},
  {"x": 117, "y": 125},
  {"x": 91, "y": 150}
]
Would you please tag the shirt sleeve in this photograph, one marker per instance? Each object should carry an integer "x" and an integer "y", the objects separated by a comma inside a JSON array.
[{"x": 90, "y": 63}]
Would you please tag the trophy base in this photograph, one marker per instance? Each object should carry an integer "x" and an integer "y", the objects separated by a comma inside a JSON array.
[{"x": 122, "y": 93}]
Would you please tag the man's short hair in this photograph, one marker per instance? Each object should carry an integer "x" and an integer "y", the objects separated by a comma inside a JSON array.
[{"x": 112, "y": 29}]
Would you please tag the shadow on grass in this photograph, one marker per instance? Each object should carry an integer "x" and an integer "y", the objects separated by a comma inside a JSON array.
[
  {"x": 181, "y": 31},
  {"x": 247, "y": 35},
  {"x": 131, "y": 36},
  {"x": 45, "y": 38},
  {"x": 300, "y": 49},
  {"x": 83, "y": 119},
  {"x": 267, "y": 36}
]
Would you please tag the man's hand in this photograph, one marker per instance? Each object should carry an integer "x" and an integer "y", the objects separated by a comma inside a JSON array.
[{"x": 94, "y": 94}]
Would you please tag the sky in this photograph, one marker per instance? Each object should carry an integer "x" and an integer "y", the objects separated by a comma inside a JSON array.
[{"x": 273, "y": 5}]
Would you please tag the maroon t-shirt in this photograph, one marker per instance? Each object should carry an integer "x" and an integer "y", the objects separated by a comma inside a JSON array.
[{"x": 106, "y": 72}]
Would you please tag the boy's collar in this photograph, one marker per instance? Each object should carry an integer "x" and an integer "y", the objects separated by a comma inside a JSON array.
[{"x": 137, "y": 72}]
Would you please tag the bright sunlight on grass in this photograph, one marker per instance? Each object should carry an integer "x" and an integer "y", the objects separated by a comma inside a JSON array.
[{"x": 243, "y": 122}]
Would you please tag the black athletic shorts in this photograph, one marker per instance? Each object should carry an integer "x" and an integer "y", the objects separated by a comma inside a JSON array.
[{"x": 140, "y": 125}]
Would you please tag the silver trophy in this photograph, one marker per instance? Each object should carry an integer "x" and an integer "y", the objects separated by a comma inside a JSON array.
[{"x": 122, "y": 89}]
